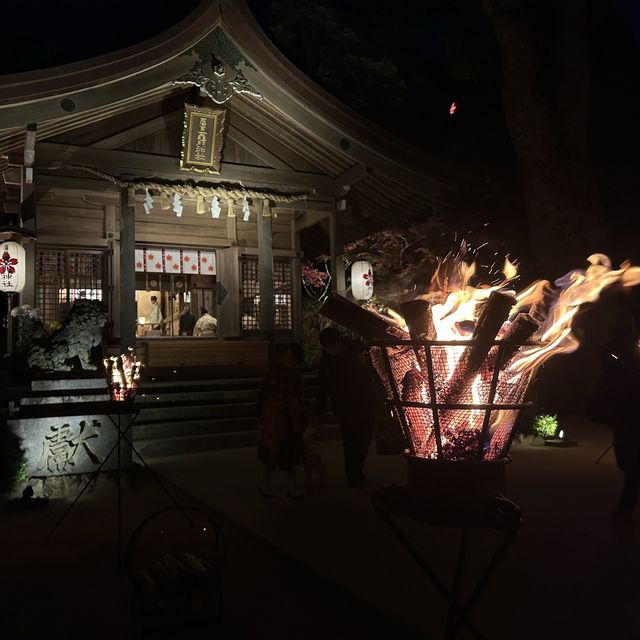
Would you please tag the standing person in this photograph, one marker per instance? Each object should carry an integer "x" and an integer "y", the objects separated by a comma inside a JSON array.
[
  {"x": 344, "y": 378},
  {"x": 283, "y": 418},
  {"x": 155, "y": 318},
  {"x": 207, "y": 325},
  {"x": 615, "y": 400},
  {"x": 187, "y": 321}
]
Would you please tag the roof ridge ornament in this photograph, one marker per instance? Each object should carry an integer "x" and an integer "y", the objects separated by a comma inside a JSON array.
[
  {"x": 218, "y": 69},
  {"x": 221, "y": 83}
]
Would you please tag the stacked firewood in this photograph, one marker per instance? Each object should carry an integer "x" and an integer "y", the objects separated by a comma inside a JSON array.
[{"x": 448, "y": 433}]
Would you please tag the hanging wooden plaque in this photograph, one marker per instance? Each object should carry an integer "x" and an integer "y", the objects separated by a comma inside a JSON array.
[{"x": 202, "y": 139}]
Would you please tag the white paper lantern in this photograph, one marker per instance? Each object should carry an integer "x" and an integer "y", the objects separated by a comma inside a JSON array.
[
  {"x": 12, "y": 267},
  {"x": 361, "y": 280}
]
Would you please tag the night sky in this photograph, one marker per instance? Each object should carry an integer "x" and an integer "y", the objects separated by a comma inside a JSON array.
[{"x": 441, "y": 52}]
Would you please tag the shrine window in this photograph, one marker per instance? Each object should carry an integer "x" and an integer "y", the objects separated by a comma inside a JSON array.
[{"x": 63, "y": 276}]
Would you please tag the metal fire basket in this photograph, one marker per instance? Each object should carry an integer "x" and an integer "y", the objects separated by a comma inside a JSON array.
[
  {"x": 456, "y": 403},
  {"x": 457, "y": 412}
]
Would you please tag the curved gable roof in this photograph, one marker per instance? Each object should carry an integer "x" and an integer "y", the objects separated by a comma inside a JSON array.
[
  {"x": 144, "y": 69},
  {"x": 285, "y": 85}
]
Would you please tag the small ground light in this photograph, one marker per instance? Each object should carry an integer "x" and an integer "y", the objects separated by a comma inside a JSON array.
[{"x": 560, "y": 441}]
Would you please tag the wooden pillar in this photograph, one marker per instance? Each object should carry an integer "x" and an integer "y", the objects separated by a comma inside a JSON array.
[
  {"x": 111, "y": 290},
  {"x": 127, "y": 273},
  {"x": 232, "y": 231},
  {"x": 336, "y": 249},
  {"x": 265, "y": 271},
  {"x": 296, "y": 279},
  {"x": 28, "y": 213},
  {"x": 28, "y": 294}
]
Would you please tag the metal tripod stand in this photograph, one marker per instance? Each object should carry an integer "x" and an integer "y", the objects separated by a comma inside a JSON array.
[{"x": 498, "y": 513}]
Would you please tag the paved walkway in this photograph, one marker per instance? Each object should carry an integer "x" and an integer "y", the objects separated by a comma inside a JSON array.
[
  {"x": 71, "y": 586},
  {"x": 325, "y": 567},
  {"x": 569, "y": 574}
]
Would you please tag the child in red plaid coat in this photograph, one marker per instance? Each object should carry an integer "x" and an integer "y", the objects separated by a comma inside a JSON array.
[{"x": 283, "y": 417}]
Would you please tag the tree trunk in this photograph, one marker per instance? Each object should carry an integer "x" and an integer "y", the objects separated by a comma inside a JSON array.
[{"x": 562, "y": 200}]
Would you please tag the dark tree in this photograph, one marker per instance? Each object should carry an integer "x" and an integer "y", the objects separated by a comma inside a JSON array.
[
  {"x": 546, "y": 98},
  {"x": 545, "y": 144},
  {"x": 319, "y": 39}
]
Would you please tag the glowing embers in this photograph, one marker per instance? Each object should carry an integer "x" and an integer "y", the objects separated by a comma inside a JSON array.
[
  {"x": 476, "y": 424},
  {"x": 123, "y": 376}
]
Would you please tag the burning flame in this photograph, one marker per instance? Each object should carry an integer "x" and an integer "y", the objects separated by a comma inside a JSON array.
[
  {"x": 509, "y": 269},
  {"x": 123, "y": 375},
  {"x": 470, "y": 381},
  {"x": 456, "y": 304},
  {"x": 452, "y": 318},
  {"x": 576, "y": 288}
]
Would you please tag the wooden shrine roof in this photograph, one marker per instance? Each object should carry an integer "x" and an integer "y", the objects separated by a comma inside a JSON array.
[{"x": 296, "y": 128}]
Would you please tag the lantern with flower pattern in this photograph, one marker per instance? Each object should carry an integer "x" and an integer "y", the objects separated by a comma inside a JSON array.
[
  {"x": 12, "y": 267},
  {"x": 362, "y": 280}
]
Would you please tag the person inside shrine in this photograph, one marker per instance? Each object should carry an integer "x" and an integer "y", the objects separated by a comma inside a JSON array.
[
  {"x": 155, "y": 318},
  {"x": 187, "y": 321},
  {"x": 207, "y": 325}
]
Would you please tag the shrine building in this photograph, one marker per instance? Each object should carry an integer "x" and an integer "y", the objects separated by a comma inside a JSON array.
[{"x": 185, "y": 169}]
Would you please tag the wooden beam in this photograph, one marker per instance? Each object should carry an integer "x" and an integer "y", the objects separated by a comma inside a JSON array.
[
  {"x": 53, "y": 183},
  {"x": 298, "y": 330},
  {"x": 140, "y": 131},
  {"x": 256, "y": 149},
  {"x": 29, "y": 144},
  {"x": 27, "y": 295},
  {"x": 127, "y": 274},
  {"x": 336, "y": 249},
  {"x": 232, "y": 231},
  {"x": 148, "y": 165},
  {"x": 48, "y": 182},
  {"x": 305, "y": 206},
  {"x": 27, "y": 195},
  {"x": 265, "y": 272},
  {"x": 110, "y": 221},
  {"x": 310, "y": 219},
  {"x": 355, "y": 174}
]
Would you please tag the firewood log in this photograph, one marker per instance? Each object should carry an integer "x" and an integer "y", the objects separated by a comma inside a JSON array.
[
  {"x": 418, "y": 318},
  {"x": 492, "y": 316},
  {"x": 367, "y": 325},
  {"x": 520, "y": 330},
  {"x": 418, "y": 419}
]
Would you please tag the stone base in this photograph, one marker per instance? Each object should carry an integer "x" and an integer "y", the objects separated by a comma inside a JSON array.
[
  {"x": 66, "y": 444},
  {"x": 69, "y": 486}
]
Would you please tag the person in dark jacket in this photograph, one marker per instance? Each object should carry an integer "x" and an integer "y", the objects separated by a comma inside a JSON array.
[
  {"x": 187, "y": 321},
  {"x": 345, "y": 378}
]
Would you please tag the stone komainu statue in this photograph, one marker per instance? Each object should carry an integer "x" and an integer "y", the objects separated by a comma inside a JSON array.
[{"x": 81, "y": 331}]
